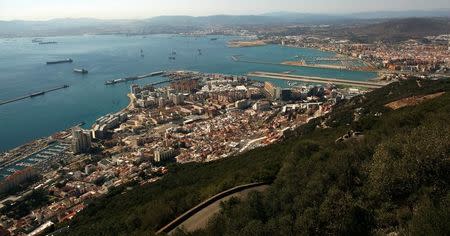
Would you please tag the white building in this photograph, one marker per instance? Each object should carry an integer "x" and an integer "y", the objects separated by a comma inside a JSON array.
[
  {"x": 178, "y": 99},
  {"x": 261, "y": 106},
  {"x": 164, "y": 154}
]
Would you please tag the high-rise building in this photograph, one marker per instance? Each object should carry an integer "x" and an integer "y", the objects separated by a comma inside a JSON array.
[
  {"x": 178, "y": 99},
  {"x": 81, "y": 141},
  {"x": 134, "y": 89},
  {"x": 164, "y": 154},
  {"x": 273, "y": 91}
]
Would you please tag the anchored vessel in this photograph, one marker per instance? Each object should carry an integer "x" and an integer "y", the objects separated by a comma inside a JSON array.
[
  {"x": 81, "y": 71},
  {"x": 52, "y": 42},
  {"x": 37, "y": 94},
  {"x": 68, "y": 60}
]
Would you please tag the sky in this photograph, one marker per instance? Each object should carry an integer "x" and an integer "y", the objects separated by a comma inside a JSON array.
[{"x": 139, "y": 9}]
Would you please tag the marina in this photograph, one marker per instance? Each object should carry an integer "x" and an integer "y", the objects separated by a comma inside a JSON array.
[{"x": 47, "y": 153}]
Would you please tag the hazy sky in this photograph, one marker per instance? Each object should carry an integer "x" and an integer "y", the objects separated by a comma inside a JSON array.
[{"x": 128, "y": 9}]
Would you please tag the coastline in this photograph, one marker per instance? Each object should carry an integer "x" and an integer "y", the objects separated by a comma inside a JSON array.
[
  {"x": 131, "y": 103},
  {"x": 78, "y": 86},
  {"x": 48, "y": 138}
]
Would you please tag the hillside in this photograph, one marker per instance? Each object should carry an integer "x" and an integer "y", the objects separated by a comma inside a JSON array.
[
  {"x": 394, "y": 178},
  {"x": 397, "y": 24},
  {"x": 403, "y": 29}
]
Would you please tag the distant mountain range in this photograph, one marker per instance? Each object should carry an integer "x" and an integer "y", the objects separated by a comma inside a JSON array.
[
  {"x": 364, "y": 15},
  {"x": 176, "y": 24}
]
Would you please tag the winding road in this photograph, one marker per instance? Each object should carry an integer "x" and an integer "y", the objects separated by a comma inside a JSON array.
[{"x": 198, "y": 216}]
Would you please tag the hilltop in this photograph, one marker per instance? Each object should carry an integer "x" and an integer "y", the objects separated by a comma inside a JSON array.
[{"x": 392, "y": 178}]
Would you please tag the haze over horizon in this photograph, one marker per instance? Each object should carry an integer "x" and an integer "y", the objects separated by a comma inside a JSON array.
[{"x": 139, "y": 9}]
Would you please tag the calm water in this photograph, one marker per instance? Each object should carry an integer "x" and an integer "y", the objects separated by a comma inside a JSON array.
[{"x": 23, "y": 71}]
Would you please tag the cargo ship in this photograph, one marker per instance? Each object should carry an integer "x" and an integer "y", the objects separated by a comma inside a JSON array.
[
  {"x": 37, "y": 94},
  {"x": 52, "y": 42},
  {"x": 81, "y": 71},
  {"x": 68, "y": 60}
]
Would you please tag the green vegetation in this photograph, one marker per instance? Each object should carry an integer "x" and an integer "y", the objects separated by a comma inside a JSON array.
[
  {"x": 145, "y": 209},
  {"x": 394, "y": 179},
  {"x": 35, "y": 199}
]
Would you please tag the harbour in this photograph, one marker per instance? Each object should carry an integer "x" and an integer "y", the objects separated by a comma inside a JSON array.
[
  {"x": 49, "y": 152},
  {"x": 111, "y": 56}
]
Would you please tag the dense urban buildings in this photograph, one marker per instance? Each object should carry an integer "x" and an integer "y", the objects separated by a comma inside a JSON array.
[{"x": 198, "y": 117}]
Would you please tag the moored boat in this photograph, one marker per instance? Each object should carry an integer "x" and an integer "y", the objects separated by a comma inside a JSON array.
[{"x": 81, "y": 71}]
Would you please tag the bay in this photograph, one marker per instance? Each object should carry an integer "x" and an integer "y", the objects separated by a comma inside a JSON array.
[{"x": 23, "y": 71}]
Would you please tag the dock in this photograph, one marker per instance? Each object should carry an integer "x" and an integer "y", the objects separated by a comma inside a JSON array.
[
  {"x": 33, "y": 95},
  {"x": 313, "y": 79},
  {"x": 126, "y": 79}
]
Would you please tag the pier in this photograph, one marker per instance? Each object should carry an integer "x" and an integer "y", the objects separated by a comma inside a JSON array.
[
  {"x": 33, "y": 95},
  {"x": 122, "y": 80},
  {"x": 312, "y": 79}
]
